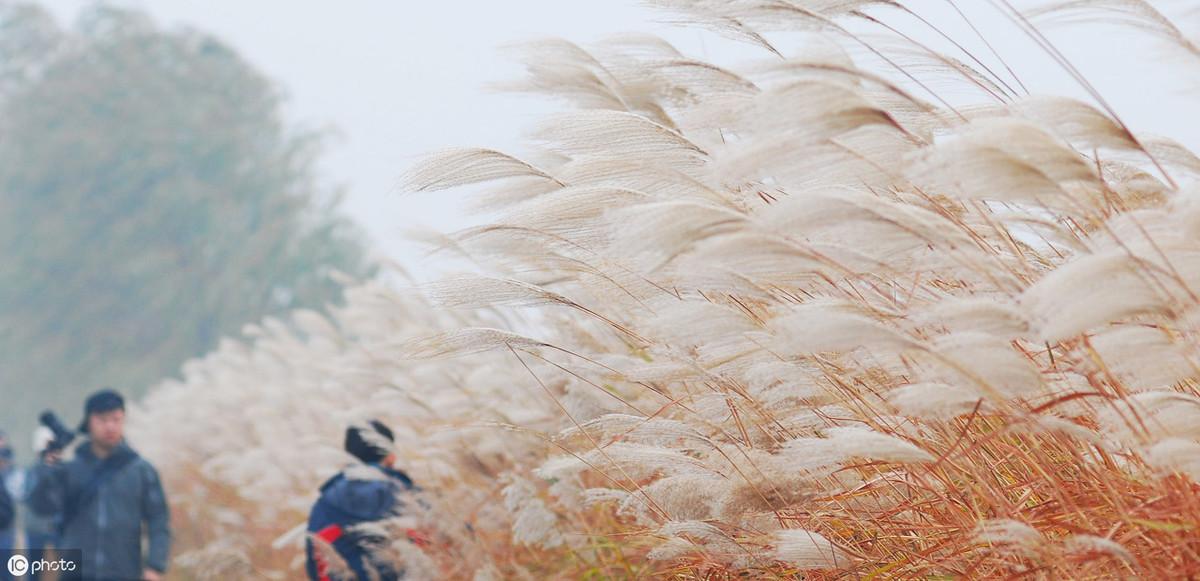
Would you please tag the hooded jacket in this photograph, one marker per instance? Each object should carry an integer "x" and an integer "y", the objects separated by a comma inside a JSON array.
[
  {"x": 349, "y": 499},
  {"x": 107, "y": 524}
]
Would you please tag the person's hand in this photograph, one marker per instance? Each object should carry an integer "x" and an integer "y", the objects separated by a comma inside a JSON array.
[
  {"x": 151, "y": 575},
  {"x": 52, "y": 457}
]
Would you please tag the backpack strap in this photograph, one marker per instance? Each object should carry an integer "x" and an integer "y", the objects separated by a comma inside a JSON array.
[{"x": 329, "y": 535}]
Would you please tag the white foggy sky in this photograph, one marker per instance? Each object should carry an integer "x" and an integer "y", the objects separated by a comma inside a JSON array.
[{"x": 396, "y": 79}]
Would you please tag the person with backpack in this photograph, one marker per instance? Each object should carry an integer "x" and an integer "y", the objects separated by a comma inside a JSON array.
[
  {"x": 361, "y": 494},
  {"x": 103, "y": 498}
]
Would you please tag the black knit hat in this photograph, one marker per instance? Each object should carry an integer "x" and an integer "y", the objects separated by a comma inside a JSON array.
[
  {"x": 105, "y": 400},
  {"x": 367, "y": 442}
]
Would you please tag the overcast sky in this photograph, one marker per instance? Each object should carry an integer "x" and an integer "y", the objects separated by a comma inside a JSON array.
[{"x": 396, "y": 79}]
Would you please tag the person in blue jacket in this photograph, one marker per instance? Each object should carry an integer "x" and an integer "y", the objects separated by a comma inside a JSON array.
[{"x": 353, "y": 497}]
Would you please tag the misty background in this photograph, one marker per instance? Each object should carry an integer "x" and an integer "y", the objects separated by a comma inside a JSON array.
[{"x": 380, "y": 83}]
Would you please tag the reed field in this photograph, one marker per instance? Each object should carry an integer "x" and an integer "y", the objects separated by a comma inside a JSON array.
[{"x": 858, "y": 308}]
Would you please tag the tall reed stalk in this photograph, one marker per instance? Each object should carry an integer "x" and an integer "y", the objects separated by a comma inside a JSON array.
[{"x": 813, "y": 317}]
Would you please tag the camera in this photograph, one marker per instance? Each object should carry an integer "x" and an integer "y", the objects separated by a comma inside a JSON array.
[{"x": 63, "y": 436}]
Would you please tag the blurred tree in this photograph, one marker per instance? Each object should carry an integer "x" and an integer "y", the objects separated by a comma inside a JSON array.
[{"x": 151, "y": 202}]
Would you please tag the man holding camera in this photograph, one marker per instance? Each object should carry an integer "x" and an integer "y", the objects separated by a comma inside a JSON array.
[{"x": 104, "y": 496}]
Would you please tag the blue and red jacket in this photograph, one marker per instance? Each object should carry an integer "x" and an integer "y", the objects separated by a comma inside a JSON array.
[{"x": 345, "y": 502}]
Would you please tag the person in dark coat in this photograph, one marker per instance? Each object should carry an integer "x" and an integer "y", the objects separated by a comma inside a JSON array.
[
  {"x": 363, "y": 493},
  {"x": 41, "y": 530},
  {"x": 9, "y": 473},
  {"x": 8, "y": 512},
  {"x": 104, "y": 497},
  {"x": 8, "y": 516},
  {"x": 9, "y": 502}
]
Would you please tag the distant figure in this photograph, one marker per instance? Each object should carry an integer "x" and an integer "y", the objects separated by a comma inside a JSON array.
[
  {"x": 104, "y": 496},
  {"x": 10, "y": 483},
  {"x": 8, "y": 511},
  {"x": 362, "y": 493},
  {"x": 41, "y": 530},
  {"x": 8, "y": 518}
]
